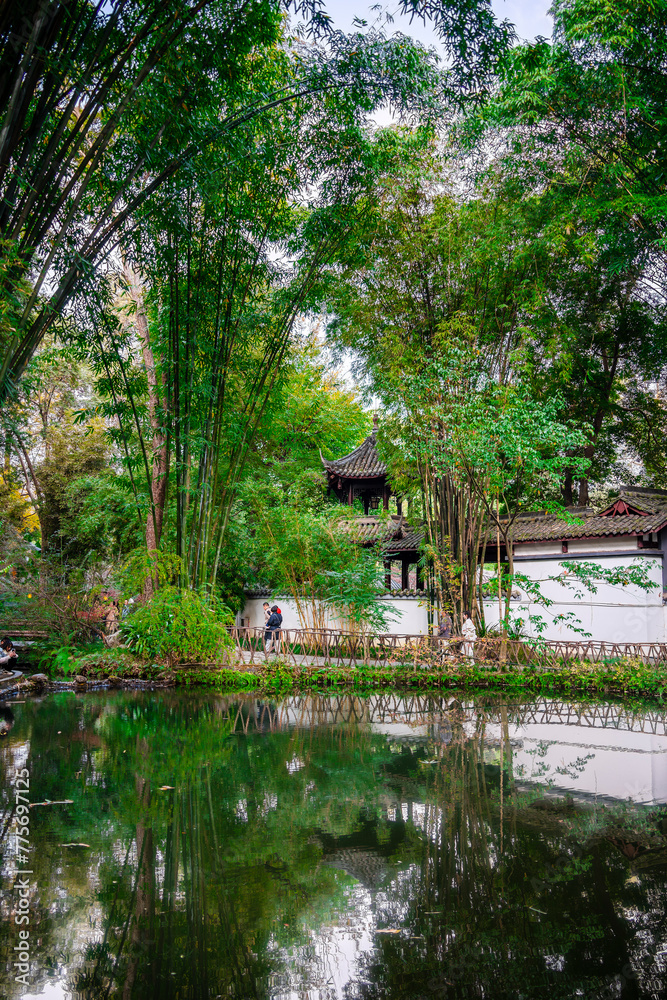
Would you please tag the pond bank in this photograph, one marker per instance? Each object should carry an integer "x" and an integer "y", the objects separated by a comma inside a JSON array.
[{"x": 619, "y": 679}]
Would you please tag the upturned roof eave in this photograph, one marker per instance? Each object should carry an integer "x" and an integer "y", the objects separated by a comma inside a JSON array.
[{"x": 341, "y": 474}]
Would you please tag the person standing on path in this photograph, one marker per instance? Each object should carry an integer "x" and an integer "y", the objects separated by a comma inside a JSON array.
[
  {"x": 272, "y": 630},
  {"x": 469, "y": 633}
]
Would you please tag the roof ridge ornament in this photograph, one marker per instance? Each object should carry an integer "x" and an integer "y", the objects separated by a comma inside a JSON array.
[{"x": 621, "y": 508}]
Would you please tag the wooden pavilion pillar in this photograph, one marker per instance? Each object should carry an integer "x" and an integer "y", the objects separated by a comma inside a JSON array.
[
  {"x": 387, "y": 574},
  {"x": 405, "y": 573}
]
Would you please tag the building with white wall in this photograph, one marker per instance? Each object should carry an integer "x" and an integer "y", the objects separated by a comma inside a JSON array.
[
  {"x": 629, "y": 533},
  {"x": 362, "y": 476}
]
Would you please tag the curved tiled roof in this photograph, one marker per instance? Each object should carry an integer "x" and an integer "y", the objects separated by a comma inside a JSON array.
[
  {"x": 362, "y": 463},
  {"x": 410, "y": 541},
  {"x": 395, "y": 533},
  {"x": 539, "y": 526}
]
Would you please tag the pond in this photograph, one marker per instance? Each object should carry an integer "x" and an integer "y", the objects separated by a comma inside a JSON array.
[{"x": 189, "y": 845}]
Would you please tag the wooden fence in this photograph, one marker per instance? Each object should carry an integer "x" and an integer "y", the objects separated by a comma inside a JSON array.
[{"x": 349, "y": 649}]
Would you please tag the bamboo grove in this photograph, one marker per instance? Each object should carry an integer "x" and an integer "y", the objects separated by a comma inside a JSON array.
[{"x": 201, "y": 220}]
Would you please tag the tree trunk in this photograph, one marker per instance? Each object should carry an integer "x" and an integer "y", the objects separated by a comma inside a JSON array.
[
  {"x": 508, "y": 595},
  {"x": 160, "y": 439},
  {"x": 566, "y": 489}
]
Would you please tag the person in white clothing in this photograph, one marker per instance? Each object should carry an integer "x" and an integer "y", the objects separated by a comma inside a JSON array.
[{"x": 469, "y": 633}]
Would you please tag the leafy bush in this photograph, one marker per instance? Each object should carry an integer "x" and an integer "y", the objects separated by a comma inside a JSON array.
[
  {"x": 179, "y": 626},
  {"x": 140, "y": 566},
  {"x": 59, "y": 661}
]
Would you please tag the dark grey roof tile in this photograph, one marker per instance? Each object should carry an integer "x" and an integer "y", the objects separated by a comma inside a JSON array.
[{"x": 362, "y": 463}]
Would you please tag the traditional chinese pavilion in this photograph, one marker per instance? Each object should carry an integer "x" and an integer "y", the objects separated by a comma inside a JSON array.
[{"x": 362, "y": 475}]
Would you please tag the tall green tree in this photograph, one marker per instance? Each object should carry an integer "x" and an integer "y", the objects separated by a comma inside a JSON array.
[
  {"x": 214, "y": 285},
  {"x": 583, "y": 117},
  {"x": 434, "y": 298},
  {"x": 103, "y": 103}
]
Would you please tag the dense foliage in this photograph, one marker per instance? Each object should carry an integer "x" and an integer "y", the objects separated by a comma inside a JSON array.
[
  {"x": 178, "y": 626},
  {"x": 202, "y": 225}
]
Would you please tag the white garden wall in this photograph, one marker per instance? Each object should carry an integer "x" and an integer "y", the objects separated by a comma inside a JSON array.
[
  {"x": 410, "y": 614},
  {"x": 613, "y": 614}
]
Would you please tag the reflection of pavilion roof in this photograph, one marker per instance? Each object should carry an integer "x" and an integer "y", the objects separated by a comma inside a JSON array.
[
  {"x": 362, "y": 463},
  {"x": 364, "y": 865},
  {"x": 394, "y": 533}
]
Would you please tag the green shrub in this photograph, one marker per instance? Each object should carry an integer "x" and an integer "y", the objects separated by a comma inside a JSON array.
[
  {"x": 179, "y": 626},
  {"x": 59, "y": 661}
]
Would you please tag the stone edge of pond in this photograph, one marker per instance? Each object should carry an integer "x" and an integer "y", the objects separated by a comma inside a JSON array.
[{"x": 622, "y": 679}]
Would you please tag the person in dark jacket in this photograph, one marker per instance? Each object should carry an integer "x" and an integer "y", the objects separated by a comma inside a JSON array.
[{"x": 272, "y": 630}]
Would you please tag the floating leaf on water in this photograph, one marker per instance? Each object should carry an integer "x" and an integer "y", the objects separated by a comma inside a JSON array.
[
  {"x": 75, "y": 845},
  {"x": 166, "y": 788},
  {"x": 389, "y": 930}
]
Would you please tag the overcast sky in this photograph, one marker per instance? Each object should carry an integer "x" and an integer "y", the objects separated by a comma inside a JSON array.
[{"x": 529, "y": 17}]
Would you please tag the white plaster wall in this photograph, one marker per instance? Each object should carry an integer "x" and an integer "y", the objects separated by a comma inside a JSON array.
[
  {"x": 255, "y": 612},
  {"x": 619, "y": 543},
  {"x": 538, "y": 548},
  {"x": 613, "y": 614},
  {"x": 410, "y": 614}
]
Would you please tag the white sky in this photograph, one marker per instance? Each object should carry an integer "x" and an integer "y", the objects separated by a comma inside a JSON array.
[{"x": 529, "y": 17}]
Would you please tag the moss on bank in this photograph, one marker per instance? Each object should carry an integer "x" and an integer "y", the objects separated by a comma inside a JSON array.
[{"x": 625, "y": 677}]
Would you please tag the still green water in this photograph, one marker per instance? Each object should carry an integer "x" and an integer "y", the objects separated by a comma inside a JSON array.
[{"x": 315, "y": 847}]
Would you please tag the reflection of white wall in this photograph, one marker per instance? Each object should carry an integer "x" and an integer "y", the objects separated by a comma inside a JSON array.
[
  {"x": 398, "y": 730},
  {"x": 612, "y": 614},
  {"x": 411, "y": 614},
  {"x": 624, "y": 765}
]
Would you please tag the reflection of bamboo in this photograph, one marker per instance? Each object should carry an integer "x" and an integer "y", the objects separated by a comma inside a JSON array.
[
  {"x": 165, "y": 940},
  {"x": 126, "y": 925},
  {"x": 142, "y": 927},
  {"x": 99, "y": 971},
  {"x": 459, "y": 873}
]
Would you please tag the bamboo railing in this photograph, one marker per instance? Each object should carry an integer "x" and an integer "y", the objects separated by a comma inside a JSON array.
[{"x": 327, "y": 647}]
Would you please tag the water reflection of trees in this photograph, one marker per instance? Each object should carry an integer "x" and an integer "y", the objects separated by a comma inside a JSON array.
[{"x": 226, "y": 845}]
